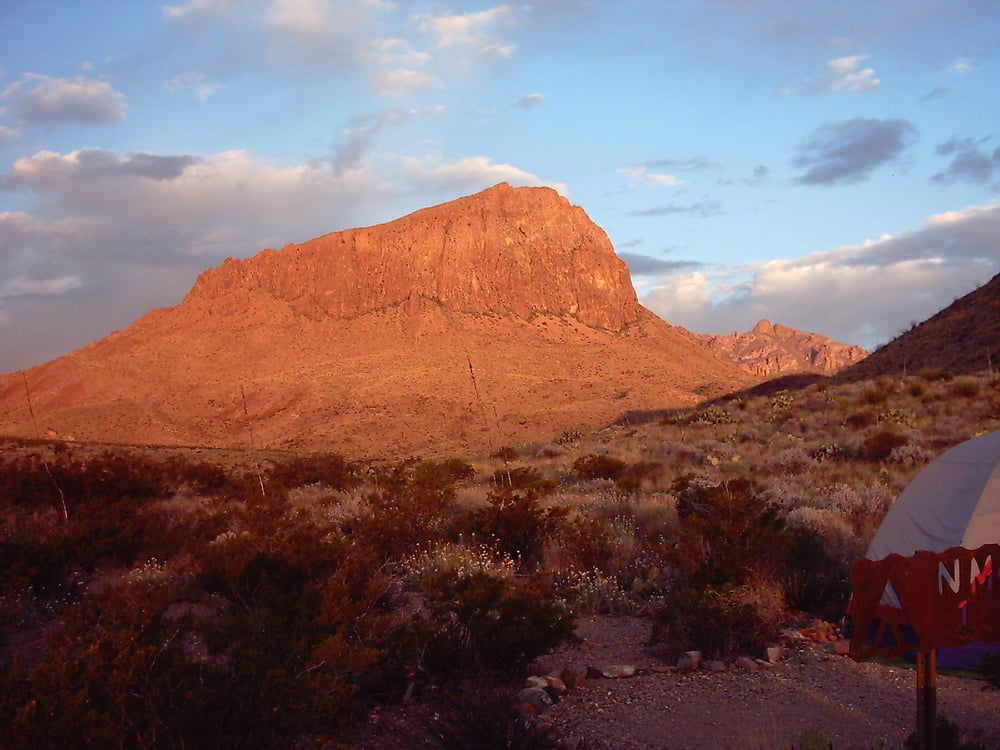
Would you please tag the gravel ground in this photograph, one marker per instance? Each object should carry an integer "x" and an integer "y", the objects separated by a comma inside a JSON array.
[{"x": 854, "y": 705}]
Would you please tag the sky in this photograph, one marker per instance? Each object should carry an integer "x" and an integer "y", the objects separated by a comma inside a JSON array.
[{"x": 832, "y": 165}]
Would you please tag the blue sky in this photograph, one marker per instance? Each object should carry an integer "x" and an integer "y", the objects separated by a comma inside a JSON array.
[{"x": 830, "y": 165}]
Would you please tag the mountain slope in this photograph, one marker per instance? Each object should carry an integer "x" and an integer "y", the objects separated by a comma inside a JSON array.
[
  {"x": 497, "y": 318},
  {"x": 962, "y": 338}
]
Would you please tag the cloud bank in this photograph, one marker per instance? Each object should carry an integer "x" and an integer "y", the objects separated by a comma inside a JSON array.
[{"x": 854, "y": 294}]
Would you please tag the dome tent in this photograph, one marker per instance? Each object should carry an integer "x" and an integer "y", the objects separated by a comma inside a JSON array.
[{"x": 953, "y": 502}]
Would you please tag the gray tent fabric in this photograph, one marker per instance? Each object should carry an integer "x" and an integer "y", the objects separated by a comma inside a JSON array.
[{"x": 953, "y": 502}]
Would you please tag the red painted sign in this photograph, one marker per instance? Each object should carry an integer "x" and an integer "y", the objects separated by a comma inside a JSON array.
[{"x": 946, "y": 599}]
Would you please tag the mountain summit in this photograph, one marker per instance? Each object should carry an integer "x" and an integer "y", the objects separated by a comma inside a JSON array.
[
  {"x": 497, "y": 318},
  {"x": 505, "y": 250}
]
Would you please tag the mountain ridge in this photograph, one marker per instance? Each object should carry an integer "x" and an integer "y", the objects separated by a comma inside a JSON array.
[{"x": 342, "y": 343}]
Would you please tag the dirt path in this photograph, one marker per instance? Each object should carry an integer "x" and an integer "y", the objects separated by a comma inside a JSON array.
[{"x": 855, "y": 706}]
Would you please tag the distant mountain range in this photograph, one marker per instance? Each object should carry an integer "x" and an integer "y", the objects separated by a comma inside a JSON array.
[{"x": 771, "y": 350}]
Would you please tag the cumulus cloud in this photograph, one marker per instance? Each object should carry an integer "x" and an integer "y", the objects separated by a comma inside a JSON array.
[
  {"x": 641, "y": 176},
  {"x": 970, "y": 162},
  {"x": 849, "y": 151},
  {"x": 947, "y": 255},
  {"x": 845, "y": 74},
  {"x": 37, "y": 99},
  {"x": 472, "y": 30}
]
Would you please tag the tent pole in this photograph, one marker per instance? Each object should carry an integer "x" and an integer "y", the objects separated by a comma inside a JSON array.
[{"x": 926, "y": 699}]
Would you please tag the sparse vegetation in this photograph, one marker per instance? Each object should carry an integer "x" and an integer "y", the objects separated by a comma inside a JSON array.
[{"x": 178, "y": 607}]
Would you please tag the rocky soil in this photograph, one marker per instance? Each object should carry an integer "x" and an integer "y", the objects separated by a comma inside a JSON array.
[{"x": 812, "y": 688}]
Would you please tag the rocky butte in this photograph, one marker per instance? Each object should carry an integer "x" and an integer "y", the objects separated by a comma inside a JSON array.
[
  {"x": 770, "y": 350},
  {"x": 499, "y": 318}
]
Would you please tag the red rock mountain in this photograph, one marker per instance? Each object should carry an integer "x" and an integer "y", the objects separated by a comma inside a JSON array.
[
  {"x": 962, "y": 338},
  {"x": 498, "y": 318},
  {"x": 772, "y": 350}
]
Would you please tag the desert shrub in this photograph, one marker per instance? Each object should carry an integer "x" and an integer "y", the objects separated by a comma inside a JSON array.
[
  {"x": 571, "y": 436},
  {"x": 716, "y": 415},
  {"x": 592, "y": 592},
  {"x": 933, "y": 374},
  {"x": 410, "y": 508},
  {"x": 727, "y": 534},
  {"x": 514, "y": 523},
  {"x": 526, "y": 478},
  {"x": 721, "y": 624},
  {"x": 859, "y": 420},
  {"x": 910, "y": 455},
  {"x": 332, "y": 470},
  {"x": 599, "y": 466},
  {"x": 791, "y": 460},
  {"x": 475, "y": 714},
  {"x": 458, "y": 560},
  {"x": 586, "y": 542},
  {"x": 964, "y": 388},
  {"x": 820, "y": 553},
  {"x": 478, "y": 622},
  {"x": 507, "y": 454},
  {"x": 947, "y": 736},
  {"x": 879, "y": 392},
  {"x": 878, "y": 446}
]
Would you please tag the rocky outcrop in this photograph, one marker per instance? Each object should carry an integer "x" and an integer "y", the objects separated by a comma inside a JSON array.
[
  {"x": 502, "y": 251},
  {"x": 771, "y": 350},
  {"x": 496, "y": 319}
]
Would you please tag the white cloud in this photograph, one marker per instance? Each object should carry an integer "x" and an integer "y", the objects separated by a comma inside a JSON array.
[
  {"x": 851, "y": 293},
  {"x": 529, "y": 101},
  {"x": 845, "y": 74},
  {"x": 401, "y": 81},
  {"x": 194, "y": 8},
  {"x": 472, "y": 30},
  {"x": 470, "y": 173},
  {"x": 640, "y": 175},
  {"x": 8, "y": 135},
  {"x": 25, "y": 287},
  {"x": 198, "y": 83},
  {"x": 38, "y": 99},
  {"x": 961, "y": 65}
]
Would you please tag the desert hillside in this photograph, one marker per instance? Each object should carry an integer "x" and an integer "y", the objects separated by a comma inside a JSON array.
[
  {"x": 962, "y": 338},
  {"x": 497, "y": 318}
]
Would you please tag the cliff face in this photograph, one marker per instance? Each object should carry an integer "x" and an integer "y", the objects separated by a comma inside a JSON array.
[
  {"x": 499, "y": 318},
  {"x": 771, "y": 350},
  {"x": 501, "y": 251}
]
